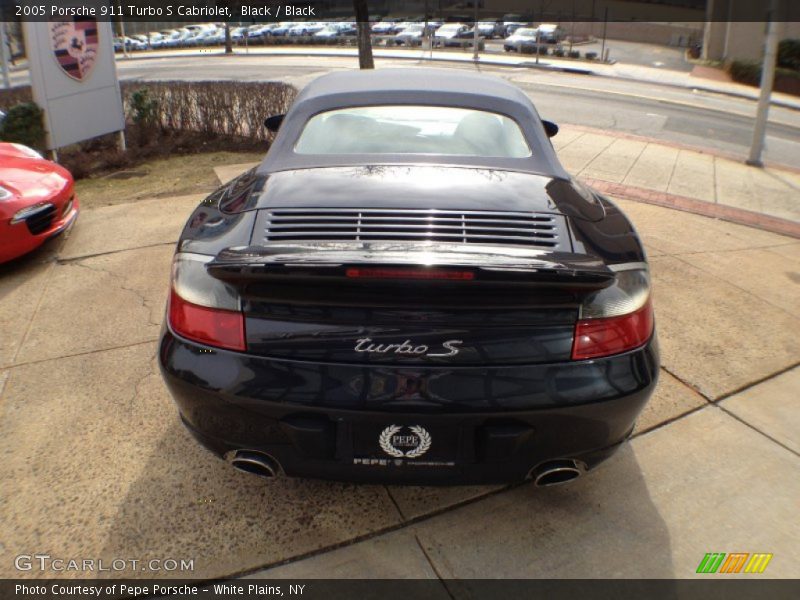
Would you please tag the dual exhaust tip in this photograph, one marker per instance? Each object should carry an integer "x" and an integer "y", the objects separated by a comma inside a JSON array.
[
  {"x": 556, "y": 472},
  {"x": 551, "y": 473},
  {"x": 254, "y": 462}
]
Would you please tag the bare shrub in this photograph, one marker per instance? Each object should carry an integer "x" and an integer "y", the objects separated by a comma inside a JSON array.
[
  {"x": 226, "y": 108},
  {"x": 165, "y": 118}
]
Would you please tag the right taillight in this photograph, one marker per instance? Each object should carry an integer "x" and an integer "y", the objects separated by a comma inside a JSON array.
[
  {"x": 204, "y": 309},
  {"x": 616, "y": 319}
]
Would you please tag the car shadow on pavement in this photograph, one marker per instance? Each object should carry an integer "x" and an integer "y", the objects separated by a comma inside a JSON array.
[
  {"x": 185, "y": 503},
  {"x": 603, "y": 525}
]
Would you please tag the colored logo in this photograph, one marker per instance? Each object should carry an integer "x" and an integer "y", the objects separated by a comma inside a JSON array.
[
  {"x": 413, "y": 444},
  {"x": 735, "y": 562},
  {"x": 75, "y": 44}
]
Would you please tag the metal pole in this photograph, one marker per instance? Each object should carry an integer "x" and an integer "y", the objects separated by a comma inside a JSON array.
[
  {"x": 728, "y": 30},
  {"x": 767, "y": 78},
  {"x": 605, "y": 25},
  {"x": 475, "y": 32},
  {"x": 424, "y": 39},
  {"x": 124, "y": 43},
  {"x": 3, "y": 39},
  {"x": 538, "y": 31},
  {"x": 572, "y": 30}
]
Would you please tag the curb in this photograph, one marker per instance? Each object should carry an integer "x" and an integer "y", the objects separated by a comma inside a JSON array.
[
  {"x": 739, "y": 216},
  {"x": 488, "y": 62},
  {"x": 699, "y": 88}
]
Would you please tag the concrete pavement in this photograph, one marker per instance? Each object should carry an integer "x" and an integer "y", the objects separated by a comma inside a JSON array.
[{"x": 96, "y": 463}]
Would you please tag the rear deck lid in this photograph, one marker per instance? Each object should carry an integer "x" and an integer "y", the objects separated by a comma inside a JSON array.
[
  {"x": 399, "y": 303},
  {"x": 414, "y": 187}
]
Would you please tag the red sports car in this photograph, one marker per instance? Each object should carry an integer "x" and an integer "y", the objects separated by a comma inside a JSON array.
[{"x": 37, "y": 200}]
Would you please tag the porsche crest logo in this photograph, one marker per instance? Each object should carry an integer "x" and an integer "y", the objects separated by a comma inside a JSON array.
[
  {"x": 405, "y": 445},
  {"x": 75, "y": 46}
]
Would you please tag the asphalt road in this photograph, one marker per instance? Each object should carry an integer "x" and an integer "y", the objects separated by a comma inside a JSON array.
[
  {"x": 701, "y": 120},
  {"x": 698, "y": 119}
]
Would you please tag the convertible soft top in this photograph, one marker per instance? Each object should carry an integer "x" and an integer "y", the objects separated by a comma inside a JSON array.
[
  {"x": 421, "y": 82},
  {"x": 432, "y": 87}
]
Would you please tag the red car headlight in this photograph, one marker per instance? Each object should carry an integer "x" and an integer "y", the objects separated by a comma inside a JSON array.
[{"x": 29, "y": 211}]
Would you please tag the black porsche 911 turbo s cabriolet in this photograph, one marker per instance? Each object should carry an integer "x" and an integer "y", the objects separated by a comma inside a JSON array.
[{"x": 411, "y": 289}]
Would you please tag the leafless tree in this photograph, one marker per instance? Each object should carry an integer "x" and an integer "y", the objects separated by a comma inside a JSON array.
[{"x": 365, "y": 60}]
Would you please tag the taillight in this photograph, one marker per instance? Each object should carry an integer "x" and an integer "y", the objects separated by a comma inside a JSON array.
[
  {"x": 202, "y": 308},
  {"x": 616, "y": 319}
]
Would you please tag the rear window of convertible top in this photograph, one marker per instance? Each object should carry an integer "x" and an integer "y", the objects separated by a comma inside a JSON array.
[{"x": 396, "y": 129}]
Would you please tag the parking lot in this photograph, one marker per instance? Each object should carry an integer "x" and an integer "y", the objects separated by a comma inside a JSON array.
[{"x": 96, "y": 463}]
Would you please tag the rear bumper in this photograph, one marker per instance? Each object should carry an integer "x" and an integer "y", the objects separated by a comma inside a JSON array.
[{"x": 486, "y": 424}]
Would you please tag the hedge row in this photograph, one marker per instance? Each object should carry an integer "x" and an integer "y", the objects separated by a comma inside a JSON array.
[
  {"x": 787, "y": 73},
  {"x": 749, "y": 73},
  {"x": 789, "y": 54},
  {"x": 229, "y": 108}
]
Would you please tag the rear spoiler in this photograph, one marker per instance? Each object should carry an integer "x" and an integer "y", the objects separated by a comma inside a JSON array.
[{"x": 491, "y": 265}]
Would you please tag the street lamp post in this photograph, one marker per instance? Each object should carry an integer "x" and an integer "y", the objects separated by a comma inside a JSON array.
[
  {"x": 475, "y": 32},
  {"x": 4, "y": 49},
  {"x": 767, "y": 78},
  {"x": 124, "y": 39}
]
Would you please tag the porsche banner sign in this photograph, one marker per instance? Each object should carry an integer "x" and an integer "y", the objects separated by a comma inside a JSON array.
[
  {"x": 74, "y": 78},
  {"x": 75, "y": 45}
]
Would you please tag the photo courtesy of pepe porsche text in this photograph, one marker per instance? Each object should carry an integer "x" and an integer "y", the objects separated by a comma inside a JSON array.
[{"x": 65, "y": 590}]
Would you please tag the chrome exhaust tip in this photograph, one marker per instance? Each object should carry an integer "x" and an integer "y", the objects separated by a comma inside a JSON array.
[
  {"x": 555, "y": 472},
  {"x": 254, "y": 462}
]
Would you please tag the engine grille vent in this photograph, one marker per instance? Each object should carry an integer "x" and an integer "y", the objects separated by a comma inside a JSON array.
[{"x": 346, "y": 224}]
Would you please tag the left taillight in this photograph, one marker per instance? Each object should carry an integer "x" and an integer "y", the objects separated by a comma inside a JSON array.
[
  {"x": 204, "y": 309},
  {"x": 615, "y": 319}
]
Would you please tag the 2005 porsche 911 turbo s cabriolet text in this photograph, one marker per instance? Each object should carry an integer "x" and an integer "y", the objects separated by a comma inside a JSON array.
[{"x": 410, "y": 289}]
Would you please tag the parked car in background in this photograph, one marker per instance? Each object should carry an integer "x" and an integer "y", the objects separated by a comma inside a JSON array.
[
  {"x": 137, "y": 42},
  {"x": 336, "y": 30},
  {"x": 238, "y": 34},
  {"x": 207, "y": 37},
  {"x": 491, "y": 29},
  {"x": 550, "y": 33},
  {"x": 215, "y": 38},
  {"x": 283, "y": 28},
  {"x": 386, "y": 27},
  {"x": 414, "y": 34},
  {"x": 511, "y": 27},
  {"x": 155, "y": 39},
  {"x": 452, "y": 34},
  {"x": 182, "y": 38},
  {"x": 261, "y": 31},
  {"x": 128, "y": 43},
  {"x": 173, "y": 39},
  {"x": 410, "y": 288},
  {"x": 37, "y": 200},
  {"x": 522, "y": 40},
  {"x": 307, "y": 28}
]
